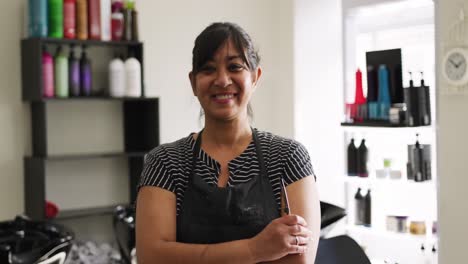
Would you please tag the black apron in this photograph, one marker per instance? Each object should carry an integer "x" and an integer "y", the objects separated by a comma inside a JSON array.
[{"x": 210, "y": 214}]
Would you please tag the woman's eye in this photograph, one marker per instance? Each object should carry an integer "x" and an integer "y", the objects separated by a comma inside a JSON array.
[
  {"x": 208, "y": 68},
  {"x": 236, "y": 67}
]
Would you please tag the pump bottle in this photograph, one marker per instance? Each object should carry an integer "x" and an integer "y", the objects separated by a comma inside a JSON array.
[
  {"x": 47, "y": 74},
  {"x": 117, "y": 77},
  {"x": 85, "y": 73},
  {"x": 133, "y": 77},
  {"x": 61, "y": 74},
  {"x": 73, "y": 73}
]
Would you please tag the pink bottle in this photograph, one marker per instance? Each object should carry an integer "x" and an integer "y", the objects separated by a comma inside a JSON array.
[{"x": 47, "y": 74}]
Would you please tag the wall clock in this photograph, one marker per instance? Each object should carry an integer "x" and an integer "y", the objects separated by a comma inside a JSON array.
[{"x": 455, "y": 66}]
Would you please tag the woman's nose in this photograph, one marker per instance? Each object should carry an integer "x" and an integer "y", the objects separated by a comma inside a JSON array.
[{"x": 222, "y": 78}]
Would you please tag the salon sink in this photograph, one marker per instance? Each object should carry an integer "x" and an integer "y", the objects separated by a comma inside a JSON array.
[{"x": 24, "y": 241}]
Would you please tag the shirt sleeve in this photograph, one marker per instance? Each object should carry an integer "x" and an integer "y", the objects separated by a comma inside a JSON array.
[
  {"x": 156, "y": 171},
  {"x": 297, "y": 164}
]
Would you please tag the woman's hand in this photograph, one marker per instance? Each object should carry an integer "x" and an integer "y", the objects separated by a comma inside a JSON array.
[{"x": 285, "y": 235}]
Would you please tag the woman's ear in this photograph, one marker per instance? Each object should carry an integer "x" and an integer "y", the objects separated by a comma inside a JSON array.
[
  {"x": 192, "y": 83},
  {"x": 256, "y": 75}
]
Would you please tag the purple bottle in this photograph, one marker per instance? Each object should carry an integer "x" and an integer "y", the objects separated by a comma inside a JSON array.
[
  {"x": 85, "y": 73},
  {"x": 73, "y": 73},
  {"x": 47, "y": 74}
]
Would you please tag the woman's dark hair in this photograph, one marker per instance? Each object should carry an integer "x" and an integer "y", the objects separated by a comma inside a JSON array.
[{"x": 213, "y": 37}]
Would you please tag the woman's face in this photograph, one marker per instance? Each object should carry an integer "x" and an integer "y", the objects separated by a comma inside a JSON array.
[{"x": 224, "y": 85}]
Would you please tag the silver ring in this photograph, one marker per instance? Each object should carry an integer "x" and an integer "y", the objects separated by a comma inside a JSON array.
[{"x": 297, "y": 240}]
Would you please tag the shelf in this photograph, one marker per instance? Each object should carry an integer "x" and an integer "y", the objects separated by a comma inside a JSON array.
[
  {"x": 87, "y": 42},
  {"x": 31, "y": 61},
  {"x": 378, "y": 124},
  {"x": 85, "y": 212},
  {"x": 372, "y": 179},
  {"x": 390, "y": 185},
  {"x": 371, "y": 231},
  {"x": 88, "y": 156},
  {"x": 91, "y": 98}
]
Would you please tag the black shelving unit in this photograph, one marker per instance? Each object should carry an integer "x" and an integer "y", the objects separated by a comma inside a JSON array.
[{"x": 140, "y": 127}]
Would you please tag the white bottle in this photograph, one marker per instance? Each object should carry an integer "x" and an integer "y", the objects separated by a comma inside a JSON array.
[
  {"x": 117, "y": 78},
  {"x": 133, "y": 77},
  {"x": 105, "y": 6}
]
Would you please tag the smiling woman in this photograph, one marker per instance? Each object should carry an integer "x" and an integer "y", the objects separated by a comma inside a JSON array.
[
  {"x": 225, "y": 83},
  {"x": 245, "y": 57},
  {"x": 216, "y": 196}
]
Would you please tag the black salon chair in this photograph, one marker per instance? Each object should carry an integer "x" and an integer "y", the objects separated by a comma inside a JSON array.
[
  {"x": 23, "y": 241},
  {"x": 330, "y": 214},
  {"x": 340, "y": 250}
]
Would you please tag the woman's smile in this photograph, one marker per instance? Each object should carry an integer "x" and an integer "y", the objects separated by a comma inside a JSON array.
[{"x": 224, "y": 98}]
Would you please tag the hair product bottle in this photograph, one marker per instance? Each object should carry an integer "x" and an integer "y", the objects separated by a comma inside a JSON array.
[
  {"x": 55, "y": 18},
  {"x": 69, "y": 19},
  {"x": 362, "y": 157},
  {"x": 94, "y": 19},
  {"x": 134, "y": 24},
  {"x": 117, "y": 77},
  {"x": 61, "y": 73},
  {"x": 82, "y": 19},
  {"x": 359, "y": 207},
  {"x": 47, "y": 74},
  {"x": 37, "y": 18},
  {"x": 424, "y": 104},
  {"x": 73, "y": 73},
  {"x": 105, "y": 8},
  {"x": 117, "y": 21},
  {"x": 359, "y": 100},
  {"x": 352, "y": 158},
  {"x": 85, "y": 73},
  {"x": 128, "y": 7},
  {"x": 367, "y": 206},
  {"x": 372, "y": 92},
  {"x": 384, "y": 93},
  {"x": 133, "y": 77}
]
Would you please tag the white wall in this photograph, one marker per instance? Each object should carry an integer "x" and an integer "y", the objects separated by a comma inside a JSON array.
[
  {"x": 318, "y": 91},
  {"x": 452, "y": 145},
  {"x": 14, "y": 135}
]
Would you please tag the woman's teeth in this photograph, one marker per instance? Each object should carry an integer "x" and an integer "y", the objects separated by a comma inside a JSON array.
[{"x": 224, "y": 96}]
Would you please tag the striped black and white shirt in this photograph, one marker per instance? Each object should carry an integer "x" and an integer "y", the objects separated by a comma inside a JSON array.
[{"x": 168, "y": 166}]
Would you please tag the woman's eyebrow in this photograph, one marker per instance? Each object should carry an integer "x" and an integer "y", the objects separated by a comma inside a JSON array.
[{"x": 233, "y": 57}]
